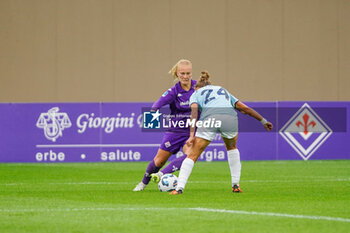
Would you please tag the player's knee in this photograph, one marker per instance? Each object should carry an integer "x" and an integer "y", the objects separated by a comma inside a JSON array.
[
  {"x": 200, "y": 144},
  {"x": 159, "y": 162},
  {"x": 186, "y": 149}
]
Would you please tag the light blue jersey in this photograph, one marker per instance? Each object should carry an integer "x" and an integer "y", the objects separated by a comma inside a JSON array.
[{"x": 214, "y": 100}]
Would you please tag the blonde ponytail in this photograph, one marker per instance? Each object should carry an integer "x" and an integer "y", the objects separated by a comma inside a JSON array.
[{"x": 203, "y": 80}]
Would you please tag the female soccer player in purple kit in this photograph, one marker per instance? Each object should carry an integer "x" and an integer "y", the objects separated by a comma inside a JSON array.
[{"x": 174, "y": 138}]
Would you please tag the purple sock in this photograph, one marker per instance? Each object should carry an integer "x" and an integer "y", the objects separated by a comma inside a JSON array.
[
  {"x": 174, "y": 165},
  {"x": 152, "y": 168}
]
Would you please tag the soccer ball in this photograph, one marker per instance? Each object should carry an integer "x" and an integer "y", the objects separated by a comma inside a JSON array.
[{"x": 167, "y": 183}]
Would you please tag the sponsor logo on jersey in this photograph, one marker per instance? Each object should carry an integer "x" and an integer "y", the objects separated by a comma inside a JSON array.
[{"x": 185, "y": 103}]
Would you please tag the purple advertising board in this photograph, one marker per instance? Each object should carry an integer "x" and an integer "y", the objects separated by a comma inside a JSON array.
[{"x": 112, "y": 132}]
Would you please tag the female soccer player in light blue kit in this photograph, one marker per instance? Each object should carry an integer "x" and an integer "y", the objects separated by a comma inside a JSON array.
[{"x": 217, "y": 109}]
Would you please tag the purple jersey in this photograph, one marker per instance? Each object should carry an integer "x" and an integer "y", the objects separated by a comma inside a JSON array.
[{"x": 178, "y": 100}]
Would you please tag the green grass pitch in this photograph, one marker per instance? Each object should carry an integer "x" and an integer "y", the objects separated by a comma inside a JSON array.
[{"x": 278, "y": 196}]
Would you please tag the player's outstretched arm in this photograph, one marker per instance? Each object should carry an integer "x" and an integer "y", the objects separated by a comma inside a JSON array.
[
  {"x": 251, "y": 112},
  {"x": 165, "y": 99}
]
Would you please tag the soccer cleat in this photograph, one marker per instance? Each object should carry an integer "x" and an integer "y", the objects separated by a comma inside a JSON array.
[
  {"x": 176, "y": 192},
  {"x": 155, "y": 177},
  {"x": 139, "y": 187},
  {"x": 236, "y": 189}
]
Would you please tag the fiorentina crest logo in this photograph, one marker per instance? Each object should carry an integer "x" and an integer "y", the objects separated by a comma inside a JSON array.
[
  {"x": 53, "y": 123},
  {"x": 305, "y": 131}
]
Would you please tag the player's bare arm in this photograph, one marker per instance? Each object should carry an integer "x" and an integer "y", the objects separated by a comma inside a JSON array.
[{"x": 251, "y": 112}]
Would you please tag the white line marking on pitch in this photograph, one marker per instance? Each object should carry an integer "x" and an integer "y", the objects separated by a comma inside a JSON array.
[
  {"x": 272, "y": 214},
  {"x": 195, "y": 182},
  {"x": 199, "y": 209}
]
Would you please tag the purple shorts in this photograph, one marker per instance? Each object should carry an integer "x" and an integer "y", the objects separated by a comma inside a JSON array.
[{"x": 173, "y": 142}]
